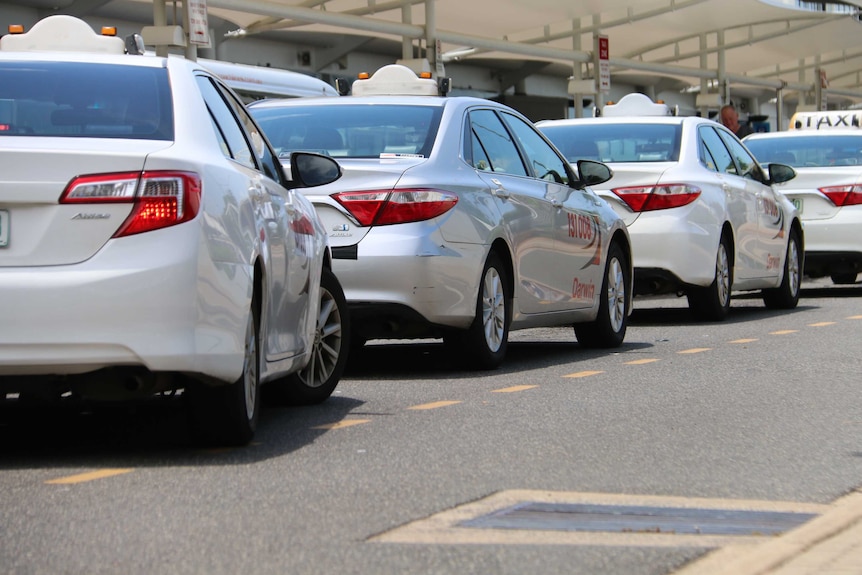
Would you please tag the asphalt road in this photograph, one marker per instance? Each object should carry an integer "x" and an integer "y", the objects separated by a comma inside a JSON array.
[{"x": 409, "y": 465}]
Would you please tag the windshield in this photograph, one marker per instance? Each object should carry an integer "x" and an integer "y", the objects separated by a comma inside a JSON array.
[
  {"x": 808, "y": 151},
  {"x": 348, "y": 131},
  {"x": 85, "y": 100},
  {"x": 616, "y": 142}
]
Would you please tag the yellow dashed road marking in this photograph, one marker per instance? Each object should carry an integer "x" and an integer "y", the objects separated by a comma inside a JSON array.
[
  {"x": 783, "y": 332},
  {"x": 855, "y": 317},
  {"x": 514, "y": 388},
  {"x": 583, "y": 374},
  {"x": 821, "y": 323},
  {"x": 341, "y": 424},
  {"x": 89, "y": 476},
  {"x": 695, "y": 350},
  {"x": 746, "y": 340},
  {"x": 641, "y": 361},
  {"x": 434, "y": 405}
]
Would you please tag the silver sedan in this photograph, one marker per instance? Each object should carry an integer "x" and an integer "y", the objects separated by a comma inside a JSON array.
[{"x": 457, "y": 219}]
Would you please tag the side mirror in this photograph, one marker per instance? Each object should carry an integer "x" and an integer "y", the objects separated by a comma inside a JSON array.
[
  {"x": 779, "y": 173},
  {"x": 308, "y": 170},
  {"x": 593, "y": 173}
]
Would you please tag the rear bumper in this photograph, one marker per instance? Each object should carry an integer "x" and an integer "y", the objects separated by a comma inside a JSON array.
[
  {"x": 126, "y": 306},
  {"x": 420, "y": 275},
  {"x": 668, "y": 249}
]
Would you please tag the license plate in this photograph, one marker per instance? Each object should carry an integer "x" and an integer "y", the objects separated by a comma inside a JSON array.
[
  {"x": 797, "y": 203},
  {"x": 4, "y": 228}
]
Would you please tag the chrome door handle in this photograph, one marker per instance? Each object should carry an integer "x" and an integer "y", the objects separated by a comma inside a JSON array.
[{"x": 499, "y": 191}]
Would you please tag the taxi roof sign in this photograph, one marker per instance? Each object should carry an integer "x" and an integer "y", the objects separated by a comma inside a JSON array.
[
  {"x": 395, "y": 80},
  {"x": 62, "y": 33},
  {"x": 826, "y": 120},
  {"x": 636, "y": 104}
]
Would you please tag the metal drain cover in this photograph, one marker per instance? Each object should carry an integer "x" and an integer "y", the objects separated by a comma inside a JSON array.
[{"x": 639, "y": 519}]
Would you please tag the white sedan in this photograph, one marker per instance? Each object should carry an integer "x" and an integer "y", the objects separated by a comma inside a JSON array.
[
  {"x": 456, "y": 219},
  {"x": 148, "y": 239},
  {"x": 827, "y": 191},
  {"x": 703, "y": 216}
]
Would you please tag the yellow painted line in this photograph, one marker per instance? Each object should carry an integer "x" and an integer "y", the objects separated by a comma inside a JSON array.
[
  {"x": 341, "y": 424},
  {"x": 434, "y": 405},
  {"x": 514, "y": 388},
  {"x": 641, "y": 361},
  {"x": 745, "y": 340},
  {"x": 783, "y": 331},
  {"x": 89, "y": 476},
  {"x": 583, "y": 374},
  {"x": 696, "y": 350},
  {"x": 821, "y": 324},
  {"x": 855, "y": 317}
]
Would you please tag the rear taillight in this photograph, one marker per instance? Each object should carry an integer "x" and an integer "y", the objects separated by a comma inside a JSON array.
[
  {"x": 843, "y": 195},
  {"x": 383, "y": 207},
  {"x": 661, "y": 197},
  {"x": 160, "y": 199}
]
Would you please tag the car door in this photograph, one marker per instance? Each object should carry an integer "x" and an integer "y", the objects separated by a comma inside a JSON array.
[
  {"x": 771, "y": 223},
  {"x": 526, "y": 213},
  {"x": 740, "y": 200},
  {"x": 286, "y": 254},
  {"x": 575, "y": 268}
]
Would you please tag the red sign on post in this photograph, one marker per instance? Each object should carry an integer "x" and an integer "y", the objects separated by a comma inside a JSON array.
[{"x": 602, "y": 53}]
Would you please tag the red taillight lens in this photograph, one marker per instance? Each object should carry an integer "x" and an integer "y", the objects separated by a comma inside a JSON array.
[
  {"x": 383, "y": 207},
  {"x": 161, "y": 199},
  {"x": 302, "y": 226},
  {"x": 649, "y": 198},
  {"x": 843, "y": 195}
]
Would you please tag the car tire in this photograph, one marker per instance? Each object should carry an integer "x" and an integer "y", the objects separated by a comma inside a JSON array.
[
  {"x": 483, "y": 345},
  {"x": 317, "y": 380},
  {"x": 786, "y": 296},
  {"x": 712, "y": 303},
  {"x": 843, "y": 278},
  {"x": 227, "y": 415},
  {"x": 609, "y": 327}
]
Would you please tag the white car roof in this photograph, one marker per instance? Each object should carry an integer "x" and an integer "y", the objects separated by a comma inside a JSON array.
[
  {"x": 805, "y": 134},
  {"x": 626, "y": 120}
]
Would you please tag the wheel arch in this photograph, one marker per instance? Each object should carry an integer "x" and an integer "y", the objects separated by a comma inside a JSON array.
[
  {"x": 501, "y": 249},
  {"x": 257, "y": 292},
  {"x": 796, "y": 226},
  {"x": 624, "y": 240},
  {"x": 727, "y": 229}
]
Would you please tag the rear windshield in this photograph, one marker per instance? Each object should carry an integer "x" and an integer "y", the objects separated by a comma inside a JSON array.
[
  {"x": 808, "y": 151},
  {"x": 616, "y": 142},
  {"x": 82, "y": 100},
  {"x": 348, "y": 131}
]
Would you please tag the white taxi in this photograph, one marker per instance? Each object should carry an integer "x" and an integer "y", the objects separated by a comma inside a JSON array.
[
  {"x": 456, "y": 219},
  {"x": 703, "y": 216},
  {"x": 150, "y": 241},
  {"x": 825, "y": 148}
]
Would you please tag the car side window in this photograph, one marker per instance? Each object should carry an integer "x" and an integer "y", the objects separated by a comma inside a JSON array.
[
  {"x": 541, "y": 157},
  {"x": 748, "y": 166},
  {"x": 495, "y": 144},
  {"x": 227, "y": 125},
  {"x": 266, "y": 156},
  {"x": 718, "y": 152}
]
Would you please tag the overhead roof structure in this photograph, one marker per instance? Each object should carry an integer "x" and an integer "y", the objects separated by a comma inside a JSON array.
[{"x": 755, "y": 46}]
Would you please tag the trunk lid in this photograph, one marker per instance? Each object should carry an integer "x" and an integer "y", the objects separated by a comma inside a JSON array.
[
  {"x": 34, "y": 172},
  {"x": 803, "y": 189}
]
